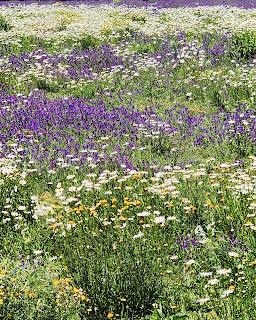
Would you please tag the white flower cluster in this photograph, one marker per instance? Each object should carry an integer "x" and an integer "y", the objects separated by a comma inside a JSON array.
[{"x": 60, "y": 22}]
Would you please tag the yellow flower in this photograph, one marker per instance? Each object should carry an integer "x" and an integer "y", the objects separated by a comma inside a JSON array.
[
  {"x": 92, "y": 212},
  {"x": 169, "y": 205},
  {"x": 211, "y": 205},
  {"x": 102, "y": 202},
  {"x": 123, "y": 209},
  {"x": 114, "y": 201},
  {"x": 76, "y": 290},
  {"x": 110, "y": 315},
  {"x": 17, "y": 294},
  {"x": 53, "y": 226},
  {"x": 137, "y": 202},
  {"x": 31, "y": 294},
  {"x": 127, "y": 203},
  {"x": 84, "y": 297},
  {"x": 231, "y": 288},
  {"x": 78, "y": 209},
  {"x": 67, "y": 280},
  {"x": 123, "y": 218},
  {"x": 56, "y": 282},
  {"x": 80, "y": 294},
  {"x": 190, "y": 209},
  {"x": 62, "y": 282},
  {"x": 2, "y": 273},
  {"x": 211, "y": 315},
  {"x": 136, "y": 176}
]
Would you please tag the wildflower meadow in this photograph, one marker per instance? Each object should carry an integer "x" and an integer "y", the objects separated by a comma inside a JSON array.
[{"x": 128, "y": 160}]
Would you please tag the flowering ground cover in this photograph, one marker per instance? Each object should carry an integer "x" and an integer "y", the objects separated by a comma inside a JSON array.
[{"x": 127, "y": 162}]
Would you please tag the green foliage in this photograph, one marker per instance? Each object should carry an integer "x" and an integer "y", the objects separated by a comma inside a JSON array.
[
  {"x": 139, "y": 19},
  {"x": 88, "y": 91},
  {"x": 243, "y": 45},
  {"x": 124, "y": 281},
  {"x": 89, "y": 41},
  {"x": 43, "y": 85},
  {"x": 28, "y": 291},
  {"x": 146, "y": 47},
  {"x": 4, "y": 25}
]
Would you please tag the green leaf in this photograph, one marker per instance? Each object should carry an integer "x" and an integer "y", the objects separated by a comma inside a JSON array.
[{"x": 179, "y": 315}]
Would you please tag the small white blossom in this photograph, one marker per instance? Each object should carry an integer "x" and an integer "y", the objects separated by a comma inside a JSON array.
[
  {"x": 143, "y": 214},
  {"x": 139, "y": 235},
  {"x": 159, "y": 220}
]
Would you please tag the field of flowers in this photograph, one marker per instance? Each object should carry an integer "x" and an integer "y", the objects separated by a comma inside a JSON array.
[{"x": 127, "y": 162}]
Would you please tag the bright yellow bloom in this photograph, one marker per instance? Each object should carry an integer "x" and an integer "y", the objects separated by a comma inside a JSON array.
[
  {"x": 114, "y": 201},
  {"x": 56, "y": 282},
  {"x": 78, "y": 209},
  {"x": 110, "y": 315},
  {"x": 53, "y": 226},
  {"x": 92, "y": 212},
  {"x": 62, "y": 282},
  {"x": 84, "y": 297},
  {"x": 136, "y": 176},
  {"x": 123, "y": 218},
  {"x": 123, "y": 209},
  {"x": 102, "y": 202},
  {"x": 31, "y": 294},
  {"x": 137, "y": 202},
  {"x": 76, "y": 290}
]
